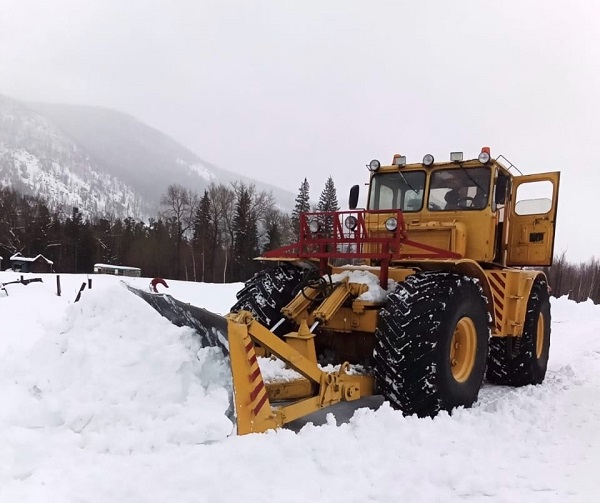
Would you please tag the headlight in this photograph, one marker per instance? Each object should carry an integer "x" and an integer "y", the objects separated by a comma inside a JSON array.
[
  {"x": 428, "y": 159},
  {"x": 374, "y": 165},
  {"x": 351, "y": 222},
  {"x": 314, "y": 226},
  {"x": 391, "y": 224},
  {"x": 484, "y": 157}
]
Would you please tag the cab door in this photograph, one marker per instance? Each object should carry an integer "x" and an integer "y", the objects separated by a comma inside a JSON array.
[{"x": 532, "y": 219}]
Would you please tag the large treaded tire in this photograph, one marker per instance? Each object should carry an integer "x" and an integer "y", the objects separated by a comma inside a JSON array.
[
  {"x": 519, "y": 361},
  {"x": 412, "y": 355},
  {"x": 267, "y": 292}
]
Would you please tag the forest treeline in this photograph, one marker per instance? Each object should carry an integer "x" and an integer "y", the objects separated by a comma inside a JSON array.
[
  {"x": 213, "y": 237},
  {"x": 579, "y": 282}
]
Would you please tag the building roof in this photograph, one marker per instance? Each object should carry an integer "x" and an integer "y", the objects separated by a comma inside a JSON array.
[
  {"x": 119, "y": 267},
  {"x": 20, "y": 258}
]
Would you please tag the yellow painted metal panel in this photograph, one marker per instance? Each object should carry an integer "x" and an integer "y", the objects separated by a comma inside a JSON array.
[{"x": 531, "y": 236}]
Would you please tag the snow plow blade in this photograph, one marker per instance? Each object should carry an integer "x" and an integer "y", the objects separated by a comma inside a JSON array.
[
  {"x": 211, "y": 328},
  {"x": 313, "y": 391},
  {"x": 260, "y": 406}
]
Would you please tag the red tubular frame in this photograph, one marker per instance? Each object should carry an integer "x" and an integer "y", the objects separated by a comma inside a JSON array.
[{"x": 334, "y": 240}]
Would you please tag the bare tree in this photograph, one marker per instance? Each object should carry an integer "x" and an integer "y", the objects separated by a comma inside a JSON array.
[
  {"x": 222, "y": 212},
  {"x": 179, "y": 206}
]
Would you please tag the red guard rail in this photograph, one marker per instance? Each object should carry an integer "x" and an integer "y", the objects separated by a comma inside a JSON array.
[
  {"x": 368, "y": 239},
  {"x": 335, "y": 240}
]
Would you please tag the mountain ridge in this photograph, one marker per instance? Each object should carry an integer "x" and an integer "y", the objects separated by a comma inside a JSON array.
[{"x": 101, "y": 160}]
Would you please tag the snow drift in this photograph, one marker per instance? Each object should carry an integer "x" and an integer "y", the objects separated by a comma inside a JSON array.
[{"x": 105, "y": 400}]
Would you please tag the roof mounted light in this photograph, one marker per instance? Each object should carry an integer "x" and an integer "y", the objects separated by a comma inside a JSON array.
[
  {"x": 374, "y": 165},
  {"x": 399, "y": 160},
  {"x": 456, "y": 156},
  {"x": 428, "y": 160},
  {"x": 314, "y": 226},
  {"x": 485, "y": 156}
]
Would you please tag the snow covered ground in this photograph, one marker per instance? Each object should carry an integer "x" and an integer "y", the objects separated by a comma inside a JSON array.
[{"x": 105, "y": 401}]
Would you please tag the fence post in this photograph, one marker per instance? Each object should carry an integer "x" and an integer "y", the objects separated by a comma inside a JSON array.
[{"x": 81, "y": 289}]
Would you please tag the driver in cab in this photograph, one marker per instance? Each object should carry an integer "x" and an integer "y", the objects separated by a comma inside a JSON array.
[{"x": 458, "y": 197}]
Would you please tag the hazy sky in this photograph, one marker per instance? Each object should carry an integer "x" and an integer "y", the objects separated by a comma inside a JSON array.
[{"x": 282, "y": 90}]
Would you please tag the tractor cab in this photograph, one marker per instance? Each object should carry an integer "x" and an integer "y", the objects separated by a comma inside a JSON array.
[{"x": 462, "y": 208}]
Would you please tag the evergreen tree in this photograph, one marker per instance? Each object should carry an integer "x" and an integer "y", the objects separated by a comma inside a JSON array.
[
  {"x": 54, "y": 249},
  {"x": 328, "y": 202},
  {"x": 302, "y": 206},
  {"x": 72, "y": 231},
  {"x": 245, "y": 244},
  {"x": 116, "y": 237},
  {"x": 102, "y": 232},
  {"x": 87, "y": 248},
  {"x": 10, "y": 222},
  {"x": 274, "y": 229},
  {"x": 160, "y": 243},
  {"x": 273, "y": 236},
  {"x": 204, "y": 233}
]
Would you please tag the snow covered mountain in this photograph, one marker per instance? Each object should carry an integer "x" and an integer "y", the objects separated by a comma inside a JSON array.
[{"x": 99, "y": 160}]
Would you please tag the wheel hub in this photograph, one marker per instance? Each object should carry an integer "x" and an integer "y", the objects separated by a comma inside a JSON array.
[
  {"x": 463, "y": 349},
  {"x": 539, "y": 339}
]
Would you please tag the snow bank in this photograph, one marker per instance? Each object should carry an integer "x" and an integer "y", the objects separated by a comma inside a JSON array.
[
  {"x": 106, "y": 401},
  {"x": 111, "y": 377}
]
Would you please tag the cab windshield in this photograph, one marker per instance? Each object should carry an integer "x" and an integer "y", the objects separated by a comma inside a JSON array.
[
  {"x": 459, "y": 189},
  {"x": 399, "y": 190}
]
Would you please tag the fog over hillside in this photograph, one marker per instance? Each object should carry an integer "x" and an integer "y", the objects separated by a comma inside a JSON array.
[
  {"x": 100, "y": 160},
  {"x": 37, "y": 158}
]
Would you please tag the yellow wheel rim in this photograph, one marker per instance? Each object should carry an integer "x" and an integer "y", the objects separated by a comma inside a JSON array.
[
  {"x": 539, "y": 339},
  {"x": 463, "y": 349}
]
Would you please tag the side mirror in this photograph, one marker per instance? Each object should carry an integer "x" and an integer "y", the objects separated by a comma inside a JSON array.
[
  {"x": 501, "y": 186},
  {"x": 353, "y": 199}
]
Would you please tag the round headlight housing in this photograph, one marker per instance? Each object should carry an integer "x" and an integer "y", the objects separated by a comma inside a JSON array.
[
  {"x": 484, "y": 157},
  {"x": 428, "y": 160},
  {"x": 391, "y": 224},
  {"x": 314, "y": 226},
  {"x": 374, "y": 165},
  {"x": 351, "y": 222}
]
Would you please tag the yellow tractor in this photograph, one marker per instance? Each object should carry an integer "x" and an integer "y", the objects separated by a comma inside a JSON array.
[{"x": 417, "y": 298}]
